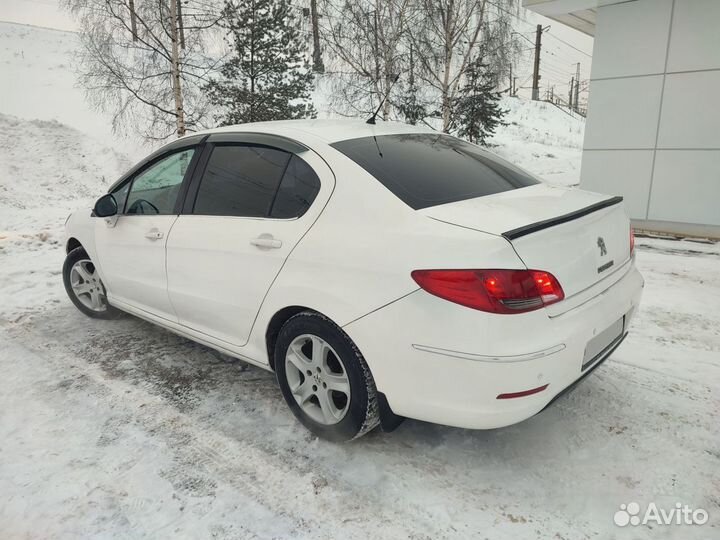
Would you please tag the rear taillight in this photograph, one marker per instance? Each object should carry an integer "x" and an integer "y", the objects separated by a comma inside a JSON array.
[
  {"x": 494, "y": 291},
  {"x": 632, "y": 241}
]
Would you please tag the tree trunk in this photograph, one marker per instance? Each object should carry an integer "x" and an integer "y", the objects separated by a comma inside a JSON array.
[
  {"x": 133, "y": 19},
  {"x": 445, "y": 90},
  {"x": 388, "y": 86},
  {"x": 181, "y": 26},
  {"x": 318, "y": 66},
  {"x": 175, "y": 70}
]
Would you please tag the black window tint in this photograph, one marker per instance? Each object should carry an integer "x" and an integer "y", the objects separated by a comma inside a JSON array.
[
  {"x": 155, "y": 190},
  {"x": 427, "y": 169},
  {"x": 298, "y": 189},
  {"x": 240, "y": 181}
]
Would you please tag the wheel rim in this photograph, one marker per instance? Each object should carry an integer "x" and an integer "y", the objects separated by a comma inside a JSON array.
[
  {"x": 318, "y": 379},
  {"x": 87, "y": 286}
]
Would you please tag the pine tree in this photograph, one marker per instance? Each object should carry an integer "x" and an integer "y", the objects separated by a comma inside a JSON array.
[
  {"x": 476, "y": 109},
  {"x": 409, "y": 104},
  {"x": 268, "y": 76}
]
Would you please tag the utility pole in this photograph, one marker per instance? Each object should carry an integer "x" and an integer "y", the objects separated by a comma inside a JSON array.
[
  {"x": 536, "y": 68},
  {"x": 570, "y": 95},
  {"x": 510, "y": 92},
  {"x": 577, "y": 87},
  {"x": 514, "y": 90},
  {"x": 133, "y": 19},
  {"x": 318, "y": 66}
]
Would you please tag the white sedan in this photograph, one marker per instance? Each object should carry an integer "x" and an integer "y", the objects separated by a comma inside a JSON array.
[{"x": 381, "y": 271}]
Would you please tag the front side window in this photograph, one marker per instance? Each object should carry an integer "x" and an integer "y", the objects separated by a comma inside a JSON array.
[
  {"x": 156, "y": 189},
  {"x": 240, "y": 180},
  {"x": 428, "y": 169}
]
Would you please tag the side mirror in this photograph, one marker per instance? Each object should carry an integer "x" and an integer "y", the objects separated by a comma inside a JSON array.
[{"x": 106, "y": 206}]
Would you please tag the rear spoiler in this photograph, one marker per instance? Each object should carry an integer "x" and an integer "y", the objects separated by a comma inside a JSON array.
[{"x": 546, "y": 224}]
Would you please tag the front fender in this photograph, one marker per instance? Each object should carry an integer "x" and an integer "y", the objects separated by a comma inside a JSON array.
[{"x": 80, "y": 228}]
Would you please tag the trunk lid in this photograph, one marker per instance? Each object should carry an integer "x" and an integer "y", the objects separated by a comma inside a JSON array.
[{"x": 579, "y": 236}]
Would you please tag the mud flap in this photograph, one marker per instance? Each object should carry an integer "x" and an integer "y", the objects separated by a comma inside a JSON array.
[{"x": 389, "y": 421}]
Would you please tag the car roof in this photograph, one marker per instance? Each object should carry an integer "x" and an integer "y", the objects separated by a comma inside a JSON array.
[{"x": 329, "y": 131}]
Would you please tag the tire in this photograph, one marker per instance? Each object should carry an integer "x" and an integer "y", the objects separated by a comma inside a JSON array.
[
  {"x": 319, "y": 380},
  {"x": 79, "y": 275}
]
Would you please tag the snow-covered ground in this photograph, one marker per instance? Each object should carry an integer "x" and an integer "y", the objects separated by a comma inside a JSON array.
[
  {"x": 123, "y": 430},
  {"x": 541, "y": 138}
]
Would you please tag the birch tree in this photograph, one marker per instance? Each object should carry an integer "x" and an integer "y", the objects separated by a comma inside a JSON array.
[
  {"x": 145, "y": 62},
  {"x": 364, "y": 41},
  {"x": 448, "y": 43}
]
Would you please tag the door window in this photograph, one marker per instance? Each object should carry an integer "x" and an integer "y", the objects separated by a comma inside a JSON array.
[
  {"x": 156, "y": 189},
  {"x": 240, "y": 180},
  {"x": 297, "y": 191}
]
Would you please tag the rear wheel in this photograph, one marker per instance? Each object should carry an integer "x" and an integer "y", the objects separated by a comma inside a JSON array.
[
  {"x": 84, "y": 287},
  {"x": 324, "y": 378}
]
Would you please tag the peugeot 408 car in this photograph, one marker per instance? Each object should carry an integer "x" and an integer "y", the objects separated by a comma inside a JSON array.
[{"x": 381, "y": 271}]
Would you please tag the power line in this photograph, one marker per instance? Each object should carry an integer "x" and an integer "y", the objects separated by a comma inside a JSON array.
[{"x": 569, "y": 45}]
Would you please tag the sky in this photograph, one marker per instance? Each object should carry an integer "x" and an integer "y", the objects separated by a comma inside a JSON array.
[{"x": 562, "y": 47}]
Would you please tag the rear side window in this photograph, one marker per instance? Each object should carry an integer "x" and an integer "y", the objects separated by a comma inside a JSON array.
[
  {"x": 298, "y": 189},
  {"x": 240, "y": 181},
  {"x": 426, "y": 170}
]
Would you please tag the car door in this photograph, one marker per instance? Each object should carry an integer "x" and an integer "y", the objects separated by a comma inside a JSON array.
[
  {"x": 246, "y": 209},
  {"x": 131, "y": 247}
]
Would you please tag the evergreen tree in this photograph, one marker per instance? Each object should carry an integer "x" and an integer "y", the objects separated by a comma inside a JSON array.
[
  {"x": 409, "y": 104},
  {"x": 268, "y": 76},
  {"x": 477, "y": 111}
]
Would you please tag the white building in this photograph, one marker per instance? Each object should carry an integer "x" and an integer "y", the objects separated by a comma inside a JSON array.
[{"x": 653, "y": 126}]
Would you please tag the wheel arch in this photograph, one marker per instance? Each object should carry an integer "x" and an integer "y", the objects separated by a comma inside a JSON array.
[
  {"x": 72, "y": 243},
  {"x": 276, "y": 323}
]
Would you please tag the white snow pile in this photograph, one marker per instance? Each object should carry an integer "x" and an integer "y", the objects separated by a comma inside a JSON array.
[
  {"x": 47, "y": 170},
  {"x": 541, "y": 138},
  {"x": 46, "y": 163}
]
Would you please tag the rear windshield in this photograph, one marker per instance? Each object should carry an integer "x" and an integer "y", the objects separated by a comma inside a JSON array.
[{"x": 429, "y": 169}]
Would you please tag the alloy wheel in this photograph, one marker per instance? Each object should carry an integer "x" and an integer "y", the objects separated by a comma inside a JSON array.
[
  {"x": 87, "y": 286},
  {"x": 317, "y": 379}
]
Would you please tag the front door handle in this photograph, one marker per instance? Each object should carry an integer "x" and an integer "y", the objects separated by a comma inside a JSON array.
[
  {"x": 266, "y": 241},
  {"x": 154, "y": 234}
]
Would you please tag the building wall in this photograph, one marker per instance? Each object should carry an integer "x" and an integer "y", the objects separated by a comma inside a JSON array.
[{"x": 653, "y": 127}]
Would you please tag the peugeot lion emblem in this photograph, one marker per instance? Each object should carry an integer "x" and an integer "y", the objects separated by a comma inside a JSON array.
[{"x": 601, "y": 245}]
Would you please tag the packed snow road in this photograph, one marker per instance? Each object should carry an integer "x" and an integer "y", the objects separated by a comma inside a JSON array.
[{"x": 121, "y": 429}]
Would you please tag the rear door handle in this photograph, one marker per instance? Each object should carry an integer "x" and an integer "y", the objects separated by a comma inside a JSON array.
[
  {"x": 154, "y": 234},
  {"x": 266, "y": 241}
]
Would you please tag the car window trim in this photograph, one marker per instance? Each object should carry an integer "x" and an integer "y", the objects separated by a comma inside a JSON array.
[{"x": 179, "y": 144}]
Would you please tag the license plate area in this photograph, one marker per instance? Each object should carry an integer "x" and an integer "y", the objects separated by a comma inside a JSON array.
[{"x": 601, "y": 342}]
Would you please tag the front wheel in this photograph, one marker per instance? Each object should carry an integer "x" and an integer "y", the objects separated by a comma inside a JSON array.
[
  {"x": 84, "y": 287},
  {"x": 324, "y": 378}
]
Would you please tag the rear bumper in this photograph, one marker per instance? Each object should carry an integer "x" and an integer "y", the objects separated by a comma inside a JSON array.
[{"x": 443, "y": 363}]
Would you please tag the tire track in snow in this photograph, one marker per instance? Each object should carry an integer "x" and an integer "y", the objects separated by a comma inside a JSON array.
[{"x": 203, "y": 458}]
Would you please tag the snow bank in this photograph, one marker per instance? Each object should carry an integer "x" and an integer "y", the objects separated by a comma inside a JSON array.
[
  {"x": 47, "y": 169},
  {"x": 46, "y": 163},
  {"x": 542, "y": 139},
  {"x": 39, "y": 81}
]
